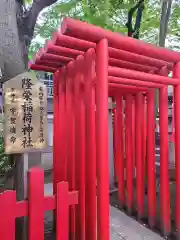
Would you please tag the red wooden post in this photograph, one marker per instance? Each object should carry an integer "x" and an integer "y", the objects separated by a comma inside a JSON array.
[
  {"x": 70, "y": 139},
  {"x": 151, "y": 159},
  {"x": 133, "y": 132},
  {"x": 7, "y": 215},
  {"x": 92, "y": 33},
  {"x": 164, "y": 179},
  {"x": 176, "y": 73},
  {"x": 62, "y": 213},
  {"x": 102, "y": 140},
  {"x": 144, "y": 131},
  {"x": 59, "y": 143},
  {"x": 129, "y": 158},
  {"x": 61, "y": 166},
  {"x": 119, "y": 148},
  {"x": 139, "y": 118},
  {"x": 173, "y": 120},
  {"x": 144, "y": 134},
  {"x": 80, "y": 147},
  {"x": 90, "y": 178},
  {"x": 35, "y": 206},
  {"x": 114, "y": 141},
  {"x": 55, "y": 131}
]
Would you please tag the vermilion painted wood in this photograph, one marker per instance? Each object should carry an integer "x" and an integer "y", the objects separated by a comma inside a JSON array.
[
  {"x": 119, "y": 148},
  {"x": 62, "y": 212},
  {"x": 139, "y": 118},
  {"x": 151, "y": 159},
  {"x": 113, "y": 92},
  {"x": 71, "y": 42},
  {"x": 61, "y": 165},
  {"x": 70, "y": 139},
  {"x": 129, "y": 65},
  {"x": 149, "y": 77},
  {"x": 133, "y": 130},
  {"x": 133, "y": 82},
  {"x": 144, "y": 129},
  {"x": 164, "y": 158},
  {"x": 136, "y": 58},
  {"x": 43, "y": 68},
  {"x": 123, "y": 87},
  {"x": 21, "y": 208},
  {"x": 128, "y": 154},
  {"x": 176, "y": 73},
  {"x": 173, "y": 121},
  {"x": 82, "y": 45},
  {"x": 144, "y": 134},
  {"x": 90, "y": 178},
  {"x": 62, "y": 51},
  {"x": 164, "y": 166},
  {"x": 48, "y": 63},
  {"x": 7, "y": 215},
  {"x": 55, "y": 58},
  {"x": 115, "y": 54},
  {"x": 93, "y": 33},
  {"x": 51, "y": 60},
  {"x": 55, "y": 129},
  {"x": 35, "y": 206},
  {"x": 71, "y": 47},
  {"x": 80, "y": 145},
  {"x": 114, "y": 137},
  {"x": 102, "y": 140},
  {"x": 54, "y": 63}
]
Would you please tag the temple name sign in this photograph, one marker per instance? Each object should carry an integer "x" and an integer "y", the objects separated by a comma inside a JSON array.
[{"x": 25, "y": 114}]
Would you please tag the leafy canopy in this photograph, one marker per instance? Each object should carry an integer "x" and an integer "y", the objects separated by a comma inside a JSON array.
[{"x": 109, "y": 14}]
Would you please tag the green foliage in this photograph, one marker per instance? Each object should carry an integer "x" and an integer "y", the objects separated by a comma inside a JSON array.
[
  {"x": 4, "y": 159},
  {"x": 27, "y": 2},
  {"x": 5, "y": 165},
  {"x": 109, "y": 14}
]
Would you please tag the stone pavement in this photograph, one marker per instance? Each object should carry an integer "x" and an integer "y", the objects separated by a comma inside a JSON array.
[
  {"x": 126, "y": 228},
  {"x": 122, "y": 227}
]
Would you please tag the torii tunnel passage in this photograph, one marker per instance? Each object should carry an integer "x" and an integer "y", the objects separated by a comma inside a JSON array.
[{"x": 91, "y": 64}]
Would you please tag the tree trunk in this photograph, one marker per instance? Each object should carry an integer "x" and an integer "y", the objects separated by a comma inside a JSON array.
[
  {"x": 11, "y": 49},
  {"x": 16, "y": 32},
  {"x": 165, "y": 15},
  {"x": 12, "y": 64},
  {"x": 164, "y": 19}
]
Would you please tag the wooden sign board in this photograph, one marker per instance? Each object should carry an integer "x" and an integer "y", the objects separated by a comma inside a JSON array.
[{"x": 25, "y": 114}]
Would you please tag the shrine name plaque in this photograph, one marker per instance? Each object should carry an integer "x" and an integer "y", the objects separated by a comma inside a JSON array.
[{"x": 25, "y": 114}]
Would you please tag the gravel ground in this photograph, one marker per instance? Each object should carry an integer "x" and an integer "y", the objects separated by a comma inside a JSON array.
[
  {"x": 121, "y": 228},
  {"x": 49, "y": 234}
]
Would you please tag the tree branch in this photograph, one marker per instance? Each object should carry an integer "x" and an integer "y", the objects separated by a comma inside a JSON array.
[
  {"x": 32, "y": 15},
  {"x": 26, "y": 20},
  {"x": 165, "y": 15}
]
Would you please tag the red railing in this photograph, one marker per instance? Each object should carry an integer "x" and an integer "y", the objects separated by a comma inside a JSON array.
[{"x": 35, "y": 207}]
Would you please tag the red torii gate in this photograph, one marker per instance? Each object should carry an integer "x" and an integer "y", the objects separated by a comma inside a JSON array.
[{"x": 90, "y": 64}]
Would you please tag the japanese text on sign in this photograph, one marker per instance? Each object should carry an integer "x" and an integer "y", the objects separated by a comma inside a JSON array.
[
  {"x": 27, "y": 107},
  {"x": 26, "y": 114}
]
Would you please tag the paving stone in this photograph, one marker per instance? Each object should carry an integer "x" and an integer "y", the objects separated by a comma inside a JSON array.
[
  {"x": 122, "y": 227},
  {"x": 128, "y": 229}
]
